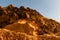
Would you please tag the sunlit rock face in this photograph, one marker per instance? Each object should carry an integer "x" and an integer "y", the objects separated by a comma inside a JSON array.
[
  {"x": 26, "y": 24},
  {"x": 12, "y": 35}
]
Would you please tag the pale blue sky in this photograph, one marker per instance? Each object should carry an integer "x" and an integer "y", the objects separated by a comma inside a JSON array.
[{"x": 48, "y": 8}]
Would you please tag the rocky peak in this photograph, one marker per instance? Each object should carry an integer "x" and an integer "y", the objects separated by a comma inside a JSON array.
[{"x": 28, "y": 22}]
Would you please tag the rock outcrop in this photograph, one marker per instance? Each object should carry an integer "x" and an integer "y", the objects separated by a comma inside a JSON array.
[{"x": 26, "y": 24}]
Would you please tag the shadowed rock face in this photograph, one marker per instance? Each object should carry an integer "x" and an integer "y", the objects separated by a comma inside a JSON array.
[{"x": 26, "y": 24}]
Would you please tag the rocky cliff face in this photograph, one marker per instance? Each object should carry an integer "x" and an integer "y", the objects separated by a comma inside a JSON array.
[{"x": 26, "y": 24}]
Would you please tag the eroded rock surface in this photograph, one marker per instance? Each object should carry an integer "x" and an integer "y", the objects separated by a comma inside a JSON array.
[
  {"x": 11, "y": 35},
  {"x": 26, "y": 24}
]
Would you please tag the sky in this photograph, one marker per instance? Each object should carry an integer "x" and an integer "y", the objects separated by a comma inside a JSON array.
[{"x": 48, "y": 8}]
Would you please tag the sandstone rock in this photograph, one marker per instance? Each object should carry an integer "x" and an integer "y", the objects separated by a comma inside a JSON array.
[{"x": 26, "y": 24}]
